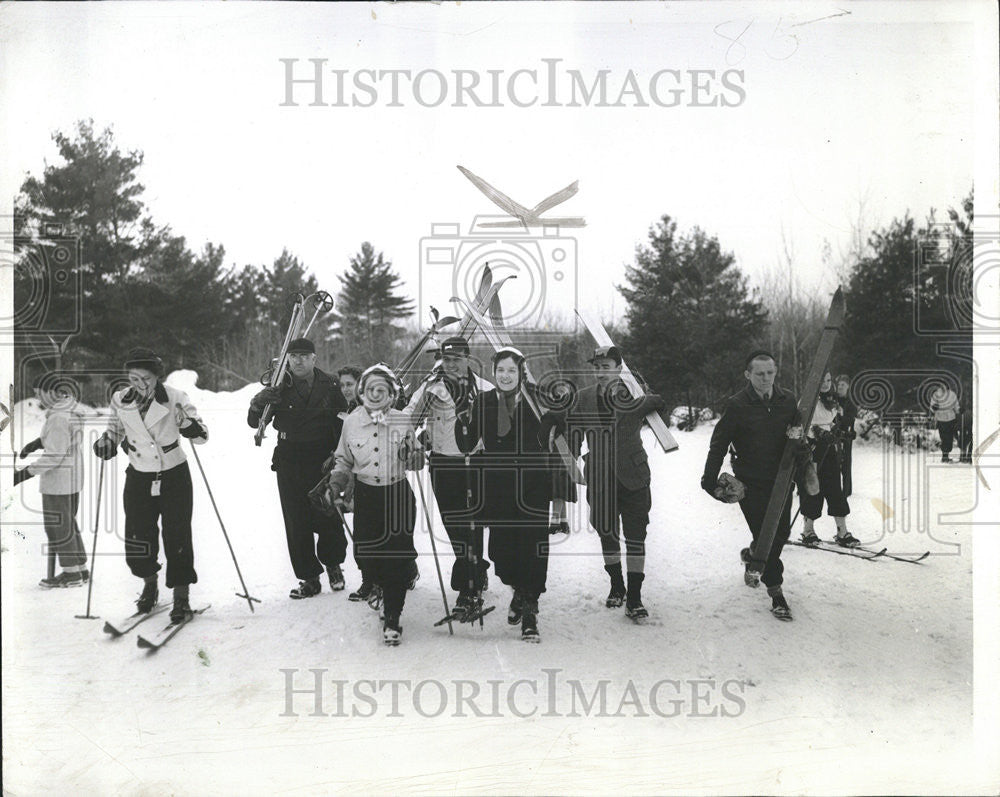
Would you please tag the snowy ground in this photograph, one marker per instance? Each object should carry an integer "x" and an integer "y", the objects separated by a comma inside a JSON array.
[{"x": 869, "y": 690}]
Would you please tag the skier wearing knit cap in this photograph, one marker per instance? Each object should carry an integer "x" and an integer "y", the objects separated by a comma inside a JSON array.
[
  {"x": 148, "y": 419},
  {"x": 377, "y": 446}
]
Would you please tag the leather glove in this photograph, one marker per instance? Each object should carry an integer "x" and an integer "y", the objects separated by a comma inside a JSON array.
[
  {"x": 29, "y": 449},
  {"x": 192, "y": 429},
  {"x": 21, "y": 475},
  {"x": 269, "y": 395},
  {"x": 321, "y": 496},
  {"x": 105, "y": 448},
  {"x": 729, "y": 489}
]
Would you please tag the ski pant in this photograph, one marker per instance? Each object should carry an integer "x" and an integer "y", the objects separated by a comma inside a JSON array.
[
  {"x": 456, "y": 492},
  {"x": 607, "y": 505},
  {"x": 61, "y": 529},
  {"x": 172, "y": 508},
  {"x": 828, "y": 472},
  {"x": 845, "y": 468},
  {"x": 948, "y": 431},
  {"x": 754, "y": 506},
  {"x": 384, "y": 518},
  {"x": 520, "y": 553},
  {"x": 314, "y": 540}
]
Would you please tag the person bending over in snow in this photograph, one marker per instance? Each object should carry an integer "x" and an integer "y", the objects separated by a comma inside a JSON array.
[
  {"x": 148, "y": 419},
  {"x": 754, "y": 426},
  {"x": 60, "y": 472}
]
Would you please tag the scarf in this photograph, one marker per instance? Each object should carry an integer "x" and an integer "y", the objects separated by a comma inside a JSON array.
[{"x": 506, "y": 403}]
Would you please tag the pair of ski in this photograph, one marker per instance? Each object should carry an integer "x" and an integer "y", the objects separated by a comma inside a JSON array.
[
  {"x": 155, "y": 641},
  {"x": 479, "y": 612},
  {"x": 860, "y": 552}
]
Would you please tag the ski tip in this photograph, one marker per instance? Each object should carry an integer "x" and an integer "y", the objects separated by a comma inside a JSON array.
[
  {"x": 145, "y": 644},
  {"x": 110, "y": 629}
]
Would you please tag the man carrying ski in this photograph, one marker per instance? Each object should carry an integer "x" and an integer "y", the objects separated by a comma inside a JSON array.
[
  {"x": 616, "y": 470},
  {"x": 754, "y": 427},
  {"x": 306, "y": 417},
  {"x": 437, "y": 403}
]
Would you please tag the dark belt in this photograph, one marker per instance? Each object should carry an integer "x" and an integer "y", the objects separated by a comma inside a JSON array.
[{"x": 127, "y": 446}]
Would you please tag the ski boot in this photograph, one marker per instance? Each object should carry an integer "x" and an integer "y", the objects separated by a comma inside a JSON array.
[
  {"x": 515, "y": 611},
  {"x": 634, "y": 609},
  {"x": 392, "y": 631},
  {"x": 413, "y": 575},
  {"x": 306, "y": 589},
  {"x": 616, "y": 597},
  {"x": 809, "y": 537},
  {"x": 63, "y": 580},
  {"x": 529, "y": 620},
  {"x": 464, "y": 606},
  {"x": 336, "y": 578},
  {"x": 750, "y": 577},
  {"x": 150, "y": 594},
  {"x": 363, "y": 592},
  {"x": 779, "y": 606},
  {"x": 562, "y": 527},
  {"x": 847, "y": 540},
  {"x": 375, "y": 597},
  {"x": 182, "y": 609}
]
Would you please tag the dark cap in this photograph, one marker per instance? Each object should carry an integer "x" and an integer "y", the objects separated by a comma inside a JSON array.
[
  {"x": 458, "y": 346},
  {"x": 140, "y": 357},
  {"x": 301, "y": 346},
  {"x": 757, "y": 354},
  {"x": 612, "y": 352}
]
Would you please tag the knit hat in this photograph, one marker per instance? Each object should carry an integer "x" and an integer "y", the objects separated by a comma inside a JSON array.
[
  {"x": 140, "y": 357},
  {"x": 508, "y": 351},
  {"x": 379, "y": 369},
  {"x": 301, "y": 346}
]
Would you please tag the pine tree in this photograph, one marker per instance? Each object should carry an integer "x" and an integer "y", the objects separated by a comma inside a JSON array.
[
  {"x": 368, "y": 305},
  {"x": 691, "y": 317}
]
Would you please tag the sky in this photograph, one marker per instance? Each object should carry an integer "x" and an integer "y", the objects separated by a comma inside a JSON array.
[{"x": 831, "y": 108}]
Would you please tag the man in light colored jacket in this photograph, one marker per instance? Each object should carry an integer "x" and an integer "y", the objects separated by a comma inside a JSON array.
[{"x": 60, "y": 480}]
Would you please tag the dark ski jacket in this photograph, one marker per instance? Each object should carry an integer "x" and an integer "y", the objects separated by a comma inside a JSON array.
[
  {"x": 614, "y": 445},
  {"x": 756, "y": 434},
  {"x": 307, "y": 422},
  {"x": 516, "y": 469}
]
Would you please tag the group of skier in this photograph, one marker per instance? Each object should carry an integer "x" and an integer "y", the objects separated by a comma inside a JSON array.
[{"x": 344, "y": 446}]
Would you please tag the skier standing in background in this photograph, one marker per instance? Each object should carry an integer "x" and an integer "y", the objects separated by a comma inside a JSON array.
[
  {"x": 60, "y": 472},
  {"x": 825, "y": 434},
  {"x": 148, "y": 419},
  {"x": 944, "y": 405},
  {"x": 849, "y": 433},
  {"x": 306, "y": 417}
]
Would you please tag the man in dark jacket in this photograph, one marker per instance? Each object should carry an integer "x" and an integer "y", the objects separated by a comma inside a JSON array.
[
  {"x": 616, "y": 470},
  {"x": 754, "y": 427},
  {"x": 306, "y": 416}
]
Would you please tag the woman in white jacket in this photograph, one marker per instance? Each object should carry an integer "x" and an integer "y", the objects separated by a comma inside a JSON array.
[{"x": 148, "y": 420}]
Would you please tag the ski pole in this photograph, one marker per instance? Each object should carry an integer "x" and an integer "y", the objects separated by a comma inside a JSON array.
[
  {"x": 437, "y": 565},
  {"x": 246, "y": 593},
  {"x": 347, "y": 527},
  {"x": 93, "y": 549}
]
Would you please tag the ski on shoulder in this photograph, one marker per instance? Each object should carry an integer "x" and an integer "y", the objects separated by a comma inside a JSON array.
[
  {"x": 164, "y": 635},
  {"x": 126, "y": 624}
]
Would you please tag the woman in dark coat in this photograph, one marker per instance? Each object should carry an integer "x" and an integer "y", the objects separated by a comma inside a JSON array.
[{"x": 514, "y": 466}]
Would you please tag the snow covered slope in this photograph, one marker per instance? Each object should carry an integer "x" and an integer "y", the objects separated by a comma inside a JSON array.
[{"x": 869, "y": 689}]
